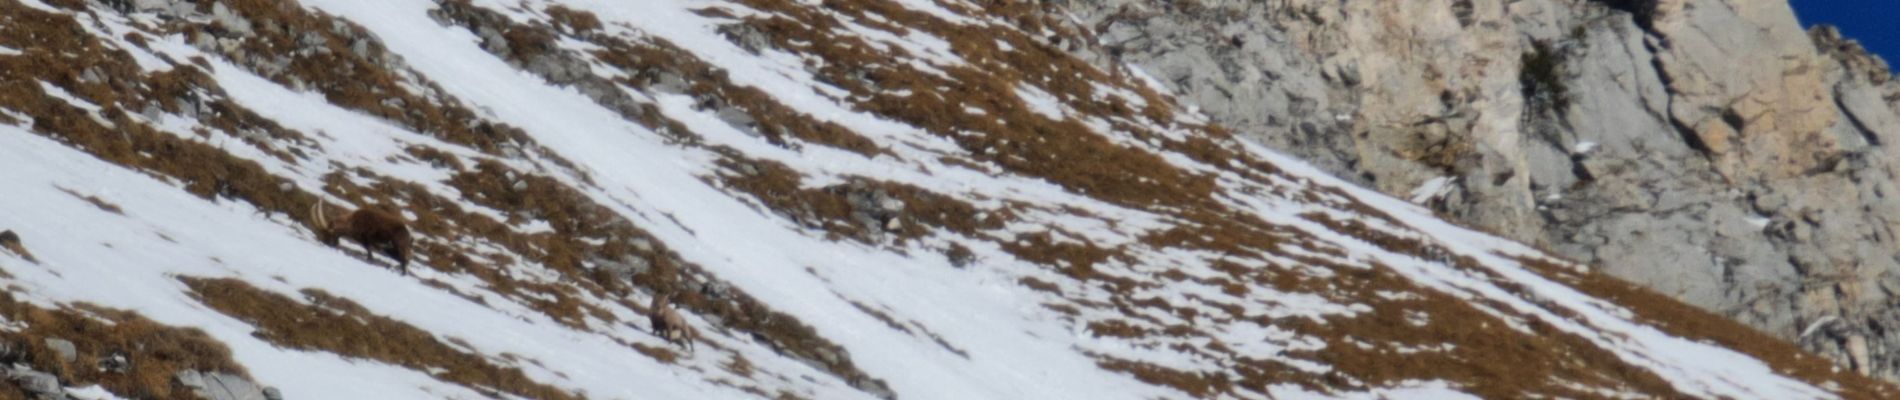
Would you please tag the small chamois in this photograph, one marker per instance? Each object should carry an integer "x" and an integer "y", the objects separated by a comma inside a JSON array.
[
  {"x": 11, "y": 242},
  {"x": 668, "y": 324},
  {"x": 375, "y": 230}
]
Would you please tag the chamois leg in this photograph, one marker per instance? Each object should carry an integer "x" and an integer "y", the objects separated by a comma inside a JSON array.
[
  {"x": 396, "y": 258},
  {"x": 369, "y": 253},
  {"x": 401, "y": 265},
  {"x": 400, "y": 251}
]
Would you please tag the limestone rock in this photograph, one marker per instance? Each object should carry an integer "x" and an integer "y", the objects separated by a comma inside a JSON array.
[
  {"x": 151, "y": 5},
  {"x": 115, "y": 363},
  {"x": 220, "y": 386},
  {"x": 63, "y": 348},
  {"x": 1734, "y": 161},
  {"x": 872, "y": 208},
  {"x": 37, "y": 383},
  {"x": 230, "y": 20},
  {"x": 624, "y": 268}
]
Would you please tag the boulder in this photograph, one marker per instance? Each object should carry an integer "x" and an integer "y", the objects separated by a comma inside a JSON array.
[
  {"x": 220, "y": 386},
  {"x": 63, "y": 348},
  {"x": 36, "y": 383}
]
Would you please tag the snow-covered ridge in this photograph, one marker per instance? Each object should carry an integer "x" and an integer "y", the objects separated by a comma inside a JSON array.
[{"x": 917, "y": 199}]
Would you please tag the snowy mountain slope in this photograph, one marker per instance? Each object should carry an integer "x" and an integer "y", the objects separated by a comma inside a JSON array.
[{"x": 906, "y": 199}]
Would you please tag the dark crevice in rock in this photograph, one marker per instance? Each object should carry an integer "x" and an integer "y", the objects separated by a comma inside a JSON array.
[
  {"x": 1643, "y": 10},
  {"x": 1860, "y": 127}
]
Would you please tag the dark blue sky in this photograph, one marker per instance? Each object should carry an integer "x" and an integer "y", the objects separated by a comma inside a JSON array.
[{"x": 1875, "y": 23}]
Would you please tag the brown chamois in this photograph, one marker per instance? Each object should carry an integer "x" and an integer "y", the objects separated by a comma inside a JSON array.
[
  {"x": 11, "y": 242},
  {"x": 376, "y": 230},
  {"x": 668, "y": 324}
]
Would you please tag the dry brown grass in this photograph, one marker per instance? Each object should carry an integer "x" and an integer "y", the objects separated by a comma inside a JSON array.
[
  {"x": 155, "y": 352},
  {"x": 102, "y": 204},
  {"x": 1490, "y": 359},
  {"x": 575, "y": 217},
  {"x": 830, "y": 208},
  {"x": 205, "y": 169},
  {"x": 435, "y": 217},
  {"x": 1194, "y": 384},
  {"x": 1025, "y": 143},
  {"x": 1682, "y": 320},
  {"x": 346, "y": 78},
  {"x": 573, "y": 22},
  {"x": 337, "y": 325},
  {"x": 1651, "y": 308},
  {"x": 1009, "y": 134},
  {"x": 708, "y": 85},
  {"x": 777, "y": 122},
  {"x": 1485, "y": 361},
  {"x": 201, "y": 168}
]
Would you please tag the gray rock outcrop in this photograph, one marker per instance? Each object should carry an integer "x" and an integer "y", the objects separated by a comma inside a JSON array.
[
  {"x": 63, "y": 348},
  {"x": 1709, "y": 149},
  {"x": 221, "y": 386},
  {"x": 35, "y": 383}
]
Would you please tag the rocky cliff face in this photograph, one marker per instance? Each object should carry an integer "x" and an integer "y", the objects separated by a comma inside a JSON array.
[{"x": 1709, "y": 149}]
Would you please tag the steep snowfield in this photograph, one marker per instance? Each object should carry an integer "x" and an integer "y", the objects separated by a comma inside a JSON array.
[{"x": 1245, "y": 287}]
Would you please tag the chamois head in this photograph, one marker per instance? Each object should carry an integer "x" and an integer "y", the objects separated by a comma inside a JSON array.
[
  {"x": 376, "y": 230},
  {"x": 326, "y": 231}
]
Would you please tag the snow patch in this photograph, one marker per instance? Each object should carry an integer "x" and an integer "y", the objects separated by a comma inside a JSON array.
[
  {"x": 63, "y": 95},
  {"x": 1040, "y": 102},
  {"x": 1432, "y": 189},
  {"x": 1583, "y": 147},
  {"x": 1757, "y": 221}
]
